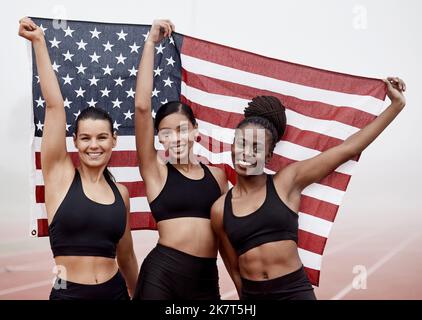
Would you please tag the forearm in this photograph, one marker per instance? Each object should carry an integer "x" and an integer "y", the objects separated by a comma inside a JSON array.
[
  {"x": 145, "y": 77},
  {"x": 48, "y": 81},
  {"x": 359, "y": 141},
  {"x": 129, "y": 269},
  {"x": 235, "y": 275}
]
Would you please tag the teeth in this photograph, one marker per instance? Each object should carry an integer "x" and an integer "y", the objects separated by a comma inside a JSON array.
[
  {"x": 244, "y": 163},
  {"x": 94, "y": 154}
]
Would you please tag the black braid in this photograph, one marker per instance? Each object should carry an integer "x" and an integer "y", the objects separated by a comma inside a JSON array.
[{"x": 267, "y": 112}]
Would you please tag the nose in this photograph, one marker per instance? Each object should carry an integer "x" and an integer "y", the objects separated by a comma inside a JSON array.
[
  {"x": 93, "y": 144},
  {"x": 248, "y": 152}
]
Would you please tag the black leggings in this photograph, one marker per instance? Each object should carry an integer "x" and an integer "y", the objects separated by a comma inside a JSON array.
[
  {"x": 170, "y": 274},
  {"x": 292, "y": 286},
  {"x": 113, "y": 289}
]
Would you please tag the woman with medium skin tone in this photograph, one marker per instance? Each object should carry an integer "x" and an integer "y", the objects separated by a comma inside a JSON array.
[
  {"x": 263, "y": 258},
  {"x": 180, "y": 193},
  {"x": 88, "y": 213}
]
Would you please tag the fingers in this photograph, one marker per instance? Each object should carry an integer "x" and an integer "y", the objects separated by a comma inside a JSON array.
[
  {"x": 396, "y": 82},
  {"x": 166, "y": 27}
]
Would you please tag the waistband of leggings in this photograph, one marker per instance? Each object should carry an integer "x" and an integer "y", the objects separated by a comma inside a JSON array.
[
  {"x": 294, "y": 280},
  {"x": 184, "y": 263},
  {"x": 116, "y": 279}
]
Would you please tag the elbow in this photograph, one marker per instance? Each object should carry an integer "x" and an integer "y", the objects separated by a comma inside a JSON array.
[{"x": 142, "y": 106}]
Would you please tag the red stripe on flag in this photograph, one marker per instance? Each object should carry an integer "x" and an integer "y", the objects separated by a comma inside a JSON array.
[
  {"x": 318, "y": 208},
  {"x": 283, "y": 70},
  {"x": 314, "y": 109},
  {"x": 313, "y": 275},
  {"x": 294, "y": 135},
  {"x": 311, "y": 242}
]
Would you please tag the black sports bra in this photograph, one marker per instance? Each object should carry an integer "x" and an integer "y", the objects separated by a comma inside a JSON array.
[
  {"x": 184, "y": 197},
  {"x": 273, "y": 221},
  {"x": 83, "y": 227}
]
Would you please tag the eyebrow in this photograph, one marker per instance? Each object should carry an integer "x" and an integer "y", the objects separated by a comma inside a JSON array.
[
  {"x": 87, "y": 134},
  {"x": 166, "y": 128}
]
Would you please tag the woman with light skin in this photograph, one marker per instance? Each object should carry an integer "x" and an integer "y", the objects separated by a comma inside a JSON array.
[
  {"x": 257, "y": 220},
  {"x": 180, "y": 192},
  {"x": 88, "y": 213}
]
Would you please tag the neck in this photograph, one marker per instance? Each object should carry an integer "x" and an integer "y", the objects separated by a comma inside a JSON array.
[
  {"x": 248, "y": 184},
  {"x": 93, "y": 175},
  {"x": 186, "y": 167}
]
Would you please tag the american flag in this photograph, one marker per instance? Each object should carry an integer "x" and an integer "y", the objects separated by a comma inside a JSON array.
[{"x": 96, "y": 64}]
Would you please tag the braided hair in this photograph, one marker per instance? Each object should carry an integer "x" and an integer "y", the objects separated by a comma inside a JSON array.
[{"x": 269, "y": 113}]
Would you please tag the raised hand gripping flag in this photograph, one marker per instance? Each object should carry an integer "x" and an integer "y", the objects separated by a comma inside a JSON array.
[{"x": 96, "y": 65}]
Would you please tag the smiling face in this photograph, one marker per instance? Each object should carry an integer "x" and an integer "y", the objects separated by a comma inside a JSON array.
[
  {"x": 94, "y": 141},
  {"x": 177, "y": 134},
  {"x": 251, "y": 149}
]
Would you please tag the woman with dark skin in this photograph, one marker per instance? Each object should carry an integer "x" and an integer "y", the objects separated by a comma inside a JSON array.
[
  {"x": 257, "y": 220},
  {"x": 180, "y": 193},
  {"x": 88, "y": 213}
]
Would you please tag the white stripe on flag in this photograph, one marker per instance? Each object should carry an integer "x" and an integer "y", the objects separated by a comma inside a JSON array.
[
  {"x": 315, "y": 225},
  {"x": 237, "y": 105},
  {"x": 310, "y": 259},
  {"x": 217, "y": 71}
]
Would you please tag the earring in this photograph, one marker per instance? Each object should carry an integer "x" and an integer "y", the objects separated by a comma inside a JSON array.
[
  {"x": 167, "y": 153},
  {"x": 198, "y": 138}
]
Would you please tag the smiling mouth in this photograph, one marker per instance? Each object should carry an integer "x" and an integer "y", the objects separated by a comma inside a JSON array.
[
  {"x": 245, "y": 164},
  {"x": 94, "y": 155},
  {"x": 178, "y": 149}
]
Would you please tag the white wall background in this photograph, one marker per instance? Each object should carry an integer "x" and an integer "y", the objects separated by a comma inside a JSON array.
[{"x": 325, "y": 33}]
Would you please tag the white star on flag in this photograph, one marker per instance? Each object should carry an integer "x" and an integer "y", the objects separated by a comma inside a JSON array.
[
  {"x": 80, "y": 92},
  {"x": 40, "y": 102},
  {"x": 68, "y": 32},
  {"x": 105, "y": 92},
  {"x": 39, "y": 125},
  {"x": 134, "y": 48},
  {"x": 122, "y": 35},
  {"x": 160, "y": 48},
  {"x": 67, "y": 56},
  {"x": 67, "y": 80},
  {"x": 130, "y": 93},
  {"x": 133, "y": 71},
  {"x": 155, "y": 93},
  {"x": 81, "y": 69},
  {"x": 54, "y": 43},
  {"x": 170, "y": 61},
  {"x": 116, "y": 103},
  {"x": 108, "y": 46},
  {"x": 55, "y": 66},
  {"x": 157, "y": 72},
  {"x": 95, "y": 34},
  {"x": 77, "y": 114},
  {"x": 95, "y": 57},
  {"x": 128, "y": 115},
  {"x": 107, "y": 70},
  {"x": 121, "y": 59},
  {"x": 93, "y": 81},
  {"x": 81, "y": 44},
  {"x": 167, "y": 82},
  {"x": 92, "y": 103},
  {"x": 119, "y": 82},
  {"x": 67, "y": 103},
  {"x": 116, "y": 125}
]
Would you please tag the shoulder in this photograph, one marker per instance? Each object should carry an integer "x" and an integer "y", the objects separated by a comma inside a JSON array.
[
  {"x": 217, "y": 212},
  {"x": 123, "y": 191},
  {"x": 220, "y": 176}
]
